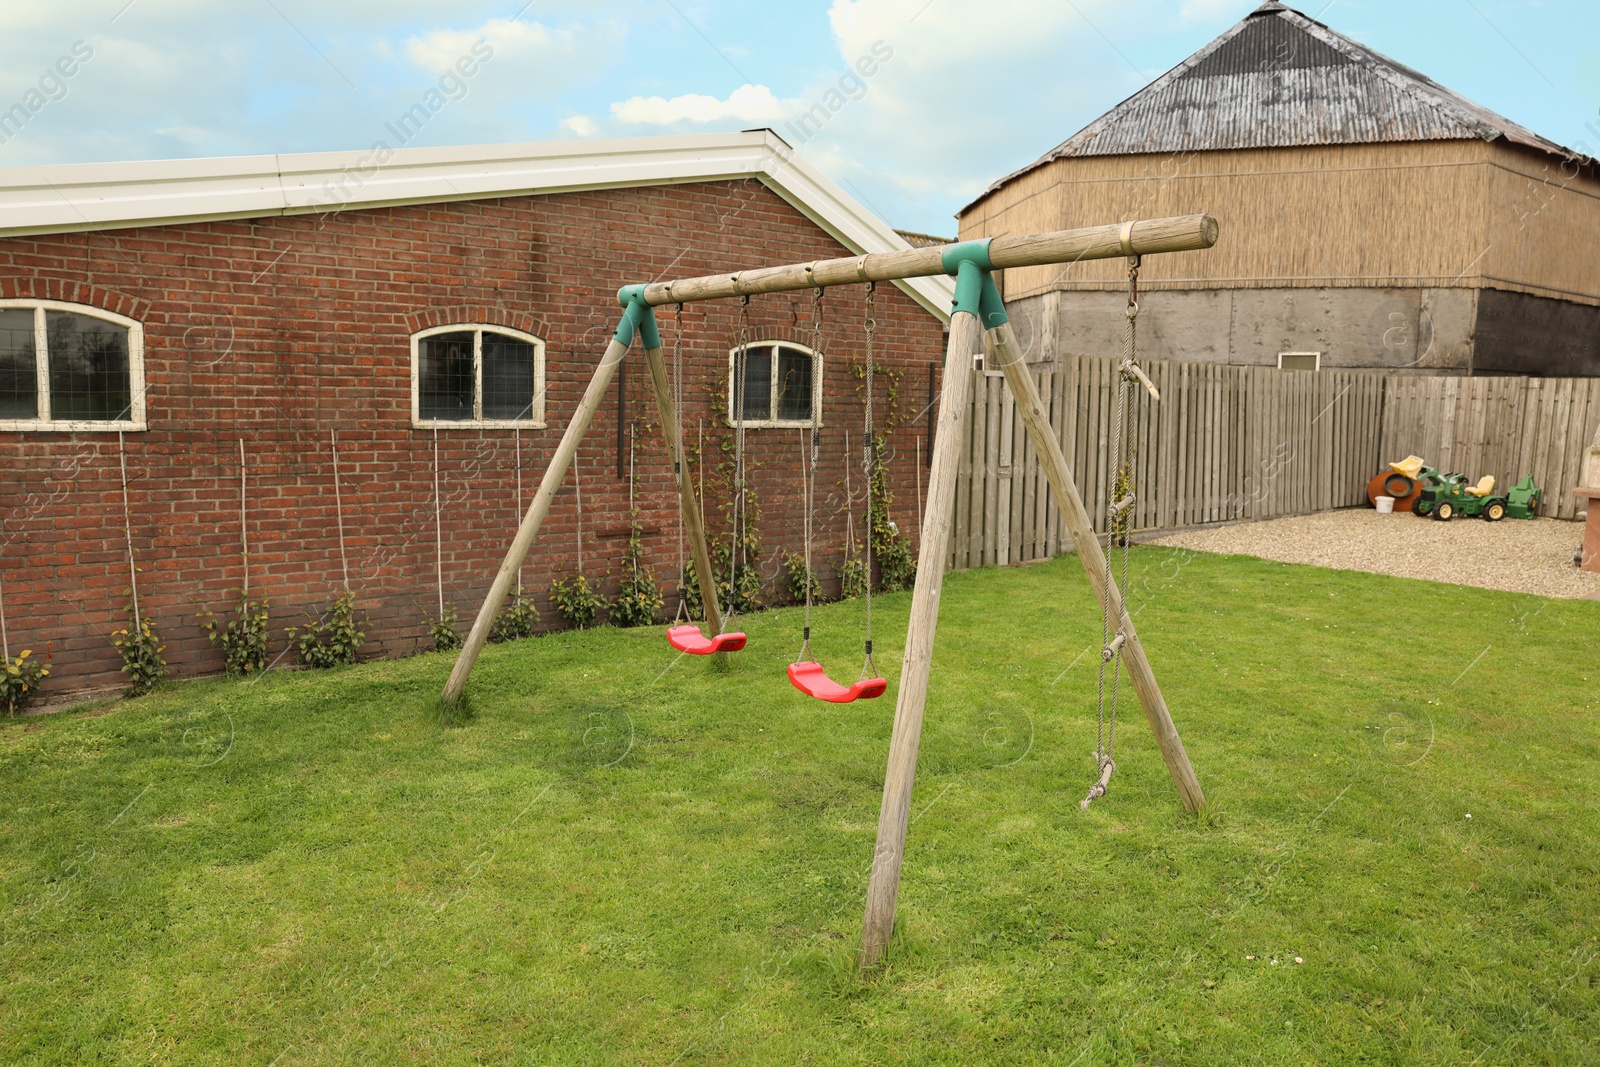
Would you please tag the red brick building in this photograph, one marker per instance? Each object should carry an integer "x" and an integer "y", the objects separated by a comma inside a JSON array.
[{"x": 157, "y": 315}]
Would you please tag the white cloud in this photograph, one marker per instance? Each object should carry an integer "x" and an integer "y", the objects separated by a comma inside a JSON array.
[
  {"x": 1210, "y": 10},
  {"x": 748, "y": 103},
  {"x": 962, "y": 100},
  {"x": 439, "y": 49},
  {"x": 582, "y": 125}
]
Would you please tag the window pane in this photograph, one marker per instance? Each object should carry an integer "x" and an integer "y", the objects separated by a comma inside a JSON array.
[
  {"x": 19, "y": 382},
  {"x": 757, "y": 382},
  {"x": 507, "y": 377},
  {"x": 794, "y": 384},
  {"x": 88, "y": 368},
  {"x": 444, "y": 376}
]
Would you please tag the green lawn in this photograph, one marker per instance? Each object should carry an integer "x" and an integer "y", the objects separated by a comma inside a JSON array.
[{"x": 621, "y": 858}]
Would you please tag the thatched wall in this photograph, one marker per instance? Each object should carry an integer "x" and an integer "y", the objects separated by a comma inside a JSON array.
[{"x": 1434, "y": 214}]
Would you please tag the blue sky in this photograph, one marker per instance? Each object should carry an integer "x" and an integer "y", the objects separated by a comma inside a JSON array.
[{"x": 961, "y": 92}]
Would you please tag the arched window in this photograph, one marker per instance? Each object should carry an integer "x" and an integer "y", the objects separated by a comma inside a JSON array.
[
  {"x": 782, "y": 385},
  {"x": 477, "y": 375},
  {"x": 69, "y": 367}
]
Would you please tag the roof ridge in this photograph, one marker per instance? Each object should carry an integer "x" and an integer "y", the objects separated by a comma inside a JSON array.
[
  {"x": 1455, "y": 117},
  {"x": 1406, "y": 79}
]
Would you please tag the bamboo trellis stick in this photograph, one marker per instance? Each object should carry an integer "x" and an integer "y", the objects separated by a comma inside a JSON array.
[
  {"x": 517, "y": 435},
  {"x": 127, "y": 530},
  {"x": 338, "y": 503},
  {"x": 244, "y": 533},
  {"x": 916, "y": 479},
  {"x": 5, "y": 640},
  {"x": 438, "y": 528}
]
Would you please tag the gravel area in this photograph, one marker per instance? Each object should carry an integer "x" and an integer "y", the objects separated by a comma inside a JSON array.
[{"x": 1523, "y": 556}]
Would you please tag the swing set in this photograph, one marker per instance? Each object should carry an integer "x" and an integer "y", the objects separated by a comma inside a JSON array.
[{"x": 978, "y": 322}]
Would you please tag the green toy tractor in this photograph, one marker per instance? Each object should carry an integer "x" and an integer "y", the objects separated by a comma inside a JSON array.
[
  {"x": 1444, "y": 496},
  {"x": 1522, "y": 502}
]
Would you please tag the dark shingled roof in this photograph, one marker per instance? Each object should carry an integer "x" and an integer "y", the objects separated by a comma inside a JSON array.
[{"x": 1280, "y": 79}]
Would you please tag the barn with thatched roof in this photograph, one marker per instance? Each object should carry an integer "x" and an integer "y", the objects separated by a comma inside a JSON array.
[{"x": 1370, "y": 218}]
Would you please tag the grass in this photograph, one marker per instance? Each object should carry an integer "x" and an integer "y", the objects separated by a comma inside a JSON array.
[{"x": 623, "y": 858}]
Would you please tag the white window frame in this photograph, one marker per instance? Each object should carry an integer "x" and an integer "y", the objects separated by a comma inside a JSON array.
[
  {"x": 536, "y": 422},
  {"x": 41, "y": 352},
  {"x": 775, "y": 423},
  {"x": 1318, "y": 356}
]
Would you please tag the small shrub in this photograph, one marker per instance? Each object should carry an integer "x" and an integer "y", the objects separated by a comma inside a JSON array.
[
  {"x": 518, "y": 619},
  {"x": 639, "y": 600},
  {"x": 141, "y": 650},
  {"x": 445, "y": 633},
  {"x": 244, "y": 637},
  {"x": 19, "y": 681},
  {"x": 897, "y": 567},
  {"x": 1121, "y": 486},
  {"x": 576, "y": 600},
  {"x": 331, "y": 644},
  {"x": 746, "y": 598},
  {"x": 852, "y": 578},
  {"x": 800, "y": 579}
]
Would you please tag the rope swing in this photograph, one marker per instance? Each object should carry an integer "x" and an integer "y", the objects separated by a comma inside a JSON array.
[
  {"x": 685, "y": 634},
  {"x": 1111, "y": 643},
  {"x": 806, "y": 674}
]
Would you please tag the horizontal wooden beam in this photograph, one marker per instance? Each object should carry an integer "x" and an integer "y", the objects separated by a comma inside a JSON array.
[{"x": 1185, "y": 233}]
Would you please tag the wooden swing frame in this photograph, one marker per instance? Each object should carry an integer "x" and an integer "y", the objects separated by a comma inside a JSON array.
[{"x": 979, "y": 322}]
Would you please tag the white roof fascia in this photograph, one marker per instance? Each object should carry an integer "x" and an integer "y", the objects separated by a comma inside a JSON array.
[{"x": 75, "y": 197}]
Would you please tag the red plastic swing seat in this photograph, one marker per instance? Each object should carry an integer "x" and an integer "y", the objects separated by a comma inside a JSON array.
[
  {"x": 688, "y": 638},
  {"x": 813, "y": 681}
]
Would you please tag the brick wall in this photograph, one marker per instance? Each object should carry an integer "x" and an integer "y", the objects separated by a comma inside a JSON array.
[{"x": 278, "y": 330}]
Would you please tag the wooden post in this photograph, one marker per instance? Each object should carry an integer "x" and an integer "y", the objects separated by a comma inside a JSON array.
[
  {"x": 1034, "y": 416},
  {"x": 537, "y": 511},
  {"x": 688, "y": 500},
  {"x": 893, "y": 816}
]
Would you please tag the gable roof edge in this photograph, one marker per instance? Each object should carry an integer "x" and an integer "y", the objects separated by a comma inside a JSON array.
[{"x": 77, "y": 197}]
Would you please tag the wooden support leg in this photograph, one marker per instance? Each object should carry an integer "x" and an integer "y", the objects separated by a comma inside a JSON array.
[
  {"x": 554, "y": 475},
  {"x": 1006, "y": 356},
  {"x": 965, "y": 335},
  {"x": 688, "y": 501}
]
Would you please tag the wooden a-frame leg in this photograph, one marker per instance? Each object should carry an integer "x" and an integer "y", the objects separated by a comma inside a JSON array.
[
  {"x": 688, "y": 502},
  {"x": 1005, "y": 355},
  {"x": 965, "y": 336},
  {"x": 554, "y": 475}
]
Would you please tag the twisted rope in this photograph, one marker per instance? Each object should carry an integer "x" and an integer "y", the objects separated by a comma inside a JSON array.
[{"x": 869, "y": 447}]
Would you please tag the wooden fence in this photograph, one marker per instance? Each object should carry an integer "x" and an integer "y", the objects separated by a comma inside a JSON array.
[
  {"x": 1507, "y": 427},
  {"x": 1228, "y": 443},
  {"x": 1224, "y": 443}
]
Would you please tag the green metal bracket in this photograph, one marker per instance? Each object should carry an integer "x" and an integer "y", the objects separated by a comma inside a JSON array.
[
  {"x": 636, "y": 316},
  {"x": 974, "y": 252},
  {"x": 969, "y": 288},
  {"x": 976, "y": 293},
  {"x": 991, "y": 309}
]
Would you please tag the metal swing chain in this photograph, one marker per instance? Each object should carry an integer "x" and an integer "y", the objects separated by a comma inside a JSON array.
[
  {"x": 808, "y": 473},
  {"x": 1112, "y": 645},
  {"x": 869, "y": 448},
  {"x": 741, "y": 364},
  {"x": 679, "y": 471}
]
